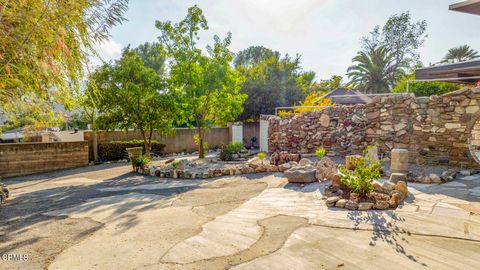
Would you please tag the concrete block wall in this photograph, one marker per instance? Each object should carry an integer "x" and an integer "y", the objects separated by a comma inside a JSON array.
[{"x": 18, "y": 159}]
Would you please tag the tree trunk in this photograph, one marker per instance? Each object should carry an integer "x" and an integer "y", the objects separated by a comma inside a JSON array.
[
  {"x": 146, "y": 143},
  {"x": 95, "y": 146},
  {"x": 201, "y": 138}
]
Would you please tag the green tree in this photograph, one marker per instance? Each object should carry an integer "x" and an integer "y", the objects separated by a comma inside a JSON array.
[
  {"x": 152, "y": 55},
  {"x": 45, "y": 47},
  {"x": 209, "y": 86},
  {"x": 402, "y": 37},
  {"x": 421, "y": 89},
  {"x": 135, "y": 96},
  {"x": 460, "y": 54},
  {"x": 271, "y": 81},
  {"x": 324, "y": 86},
  {"x": 372, "y": 71}
]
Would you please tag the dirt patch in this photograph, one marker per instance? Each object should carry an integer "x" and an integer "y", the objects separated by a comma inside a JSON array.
[
  {"x": 44, "y": 240},
  {"x": 219, "y": 197}
]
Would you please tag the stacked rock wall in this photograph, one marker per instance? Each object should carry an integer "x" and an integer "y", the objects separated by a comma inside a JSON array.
[{"x": 435, "y": 130}]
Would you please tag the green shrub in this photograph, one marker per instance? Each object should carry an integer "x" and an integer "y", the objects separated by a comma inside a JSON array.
[
  {"x": 361, "y": 179},
  {"x": 227, "y": 152},
  {"x": 141, "y": 160},
  {"x": 175, "y": 164},
  {"x": 320, "y": 152},
  {"x": 116, "y": 150}
]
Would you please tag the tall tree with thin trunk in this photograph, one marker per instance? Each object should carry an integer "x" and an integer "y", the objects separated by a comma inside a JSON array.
[{"x": 208, "y": 84}]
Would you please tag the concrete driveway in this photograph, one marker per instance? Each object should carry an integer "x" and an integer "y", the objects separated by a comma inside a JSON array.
[{"x": 105, "y": 217}]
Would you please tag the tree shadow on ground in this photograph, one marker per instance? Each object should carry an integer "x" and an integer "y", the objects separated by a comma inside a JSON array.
[
  {"x": 140, "y": 193},
  {"x": 384, "y": 228}
]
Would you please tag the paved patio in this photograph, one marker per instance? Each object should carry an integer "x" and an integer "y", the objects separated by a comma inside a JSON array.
[{"x": 105, "y": 217}]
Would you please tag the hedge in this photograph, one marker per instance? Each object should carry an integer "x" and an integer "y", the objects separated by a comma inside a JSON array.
[{"x": 116, "y": 150}]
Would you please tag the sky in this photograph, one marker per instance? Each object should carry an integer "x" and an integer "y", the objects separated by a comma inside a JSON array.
[{"x": 326, "y": 33}]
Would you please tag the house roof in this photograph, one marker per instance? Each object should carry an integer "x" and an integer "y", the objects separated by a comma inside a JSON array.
[
  {"x": 462, "y": 72},
  {"x": 470, "y": 6},
  {"x": 347, "y": 96}
]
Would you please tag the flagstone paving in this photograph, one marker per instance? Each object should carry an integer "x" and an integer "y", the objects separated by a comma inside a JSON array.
[{"x": 250, "y": 222}]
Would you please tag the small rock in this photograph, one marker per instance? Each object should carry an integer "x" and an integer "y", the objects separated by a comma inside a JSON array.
[
  {"x": 377, "y": 187},
  {"x": 465, "y": 173},
  {"x": 435, "y": 178},
  {"x": 350, "y": 205},
  {"x": 449, "y": 175},
  {"x": 401, "y": 186},
  {"x": 395, "y": 177},
  {"x": 395, "y": 199},
  {"x": 336, "y": 180},
  {"x": 341, "y": 203},
  {"x": 365, "y": 206},
  {"x": 330, "y": 202},
  {"x": 388, "y": 186},
  {"x": 283, "y": 167}
]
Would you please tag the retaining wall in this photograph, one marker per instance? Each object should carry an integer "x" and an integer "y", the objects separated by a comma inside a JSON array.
[
  {"x": 435, "y": 129},
  {"x": 18, "y": 159}
]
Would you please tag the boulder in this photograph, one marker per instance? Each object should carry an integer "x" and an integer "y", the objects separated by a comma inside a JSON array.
[
  {"x": 304, "y": 162},
  {"x": 350, "y": 205},
  {"x": 300, "y": 175},
  {"x": 330, "y": 202},
  {"x": 341, "y": 203},
  {"x": 283, "y": 157},
  {"x": 365, "y": 206},
  {"x": 379, "y": 196},
  {"x": 395, "y": 177},
  {"x": 326, "y": 169}
]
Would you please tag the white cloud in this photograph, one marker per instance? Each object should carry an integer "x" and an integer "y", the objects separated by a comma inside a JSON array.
[{"x": 107, "y": 51}]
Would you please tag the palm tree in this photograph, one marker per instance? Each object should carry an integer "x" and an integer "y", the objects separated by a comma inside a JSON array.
[
  {"x": 460, "y": 54},
  {"x": 375, "y": 71}
]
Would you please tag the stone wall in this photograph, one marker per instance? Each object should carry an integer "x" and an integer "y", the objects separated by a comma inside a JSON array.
[
  {"x": 27, "y": 158},
  {"x": 435, "y": 129}
]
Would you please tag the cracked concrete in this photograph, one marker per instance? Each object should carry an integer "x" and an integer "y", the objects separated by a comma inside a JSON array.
[{"x": 104, "y": 217}]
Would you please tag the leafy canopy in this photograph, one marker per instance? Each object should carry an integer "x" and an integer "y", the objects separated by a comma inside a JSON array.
[
  {"x": 207, "y": 83},
  {"x": 460, "y": 54},
  {"x": 271, "y": 80},
  {"x": 45, "y": 47},
  {"x": 135, "y": 96}
]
